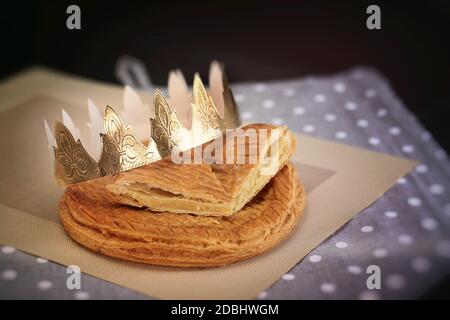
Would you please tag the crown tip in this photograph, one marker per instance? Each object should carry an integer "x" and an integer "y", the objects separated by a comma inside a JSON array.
[
  {"x": 169, "y": 126},
  {"x": 109, "y": 109}
]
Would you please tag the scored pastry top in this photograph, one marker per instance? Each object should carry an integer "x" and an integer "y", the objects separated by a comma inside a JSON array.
[
  {"x": 182, "y": 240},
  {"x": 227, "y": 173}
]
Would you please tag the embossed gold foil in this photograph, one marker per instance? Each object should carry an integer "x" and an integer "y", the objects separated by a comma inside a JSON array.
[
  {"x": 122, "y": 151},
  {"x": 72, "y": 162}
]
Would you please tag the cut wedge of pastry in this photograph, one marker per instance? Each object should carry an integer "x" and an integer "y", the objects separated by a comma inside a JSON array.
[
  {"x": 182, "y": 240},
  {"x": 223, "y": 176}
]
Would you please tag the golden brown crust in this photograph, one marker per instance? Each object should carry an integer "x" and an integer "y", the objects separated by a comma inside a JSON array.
[
  {"x": 212, "y": 189},
  {"x": 162, "y": 238}
]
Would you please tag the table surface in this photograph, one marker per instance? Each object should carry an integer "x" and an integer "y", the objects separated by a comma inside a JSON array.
[{"x": 406, "y": 232}]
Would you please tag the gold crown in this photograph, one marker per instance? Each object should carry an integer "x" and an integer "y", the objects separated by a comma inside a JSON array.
[{"x": 183, "y": 121}]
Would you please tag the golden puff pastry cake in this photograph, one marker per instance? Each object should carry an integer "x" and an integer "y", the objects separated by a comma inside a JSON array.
[
  {"x": 92, "y": 218},
  {"x": 250, "y": 160}
]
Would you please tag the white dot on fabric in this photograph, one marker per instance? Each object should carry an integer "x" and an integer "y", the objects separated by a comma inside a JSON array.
[
  {"x": 341, "y": 135},
  {"x": 402, "y": 180},
  {"x": 298, "y": 110},
  {"x": 414, "y": 202},
  {"x": 268, "y": 104},
  {"x": 288, "y": 276},
  {"x": 330, "y": 117},
  {"x": 319, "y": 98},
  {"x": 239, "y": 98},
  {"x": 339, "y": 87},
  {"x": 374, "y": 141},
  {"x": 437, "y": 189},
  {"x": 391, "y": 214},
  {"x": 440, "y": 154},
  {"x": 289, "y": 92},
  {"x": 405, "y": 239},
  {"x": 41, "y": 260},
  {"x": 443, "y": 248},
  {"x": 421, "y": 264},
  {"x": 277, "y": 121},
  {"x": 380, "y": 253},
  {"x": 44, "y": 285},
  {"x": 308, "y": 128},
  {"x": 8, "y": 275},
  {"x": 362, "y": 123},
  {"x": 369, "y": 295},
  {"x": 354, "y": 269},
  {"x": 328, "y": 287},
  {"x": 407, "y": 148},
  {"x": 351, "y": 106},
  {"x": 8, "y": 249},
  {"x": 341, "y": 244},
  {"x": 367, "y": 229},
  {"x": 425, "y": 136},
  {"x": 81, "y": 295},
  {"x": 370, "y": 93},
  {"x": 246, "y": 115},
  {"x": 315, "y": 258},
  {"x": 422, "y": 168},
  {"x": 429, "y": 224},
  {"x": 262, "y": 295},
  {"x": 381, "y": 112},
  {"x": 260, "y": 87},
  {"x": 395, "y": 281},
  {"x": 395, "y": 131}
]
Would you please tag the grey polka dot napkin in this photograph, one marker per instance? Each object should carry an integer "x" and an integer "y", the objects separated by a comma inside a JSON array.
[{"x": 406, "y": 233}]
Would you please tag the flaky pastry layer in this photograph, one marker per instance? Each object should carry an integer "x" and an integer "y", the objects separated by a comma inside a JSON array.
[
  {"x": 92, "y": 218},
  {"x": 202, "y": 189}
]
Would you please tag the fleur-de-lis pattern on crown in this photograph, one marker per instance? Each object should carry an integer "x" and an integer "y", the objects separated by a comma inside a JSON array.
[
  {"x": 166, "y": 127},
  {"x": 205, "y": 117},
  {"x": 121, "y": 150},
  {"x": 72, "y": 163}
]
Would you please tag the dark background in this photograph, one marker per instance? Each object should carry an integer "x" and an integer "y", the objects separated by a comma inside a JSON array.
[{"x": 256, "y": 40}]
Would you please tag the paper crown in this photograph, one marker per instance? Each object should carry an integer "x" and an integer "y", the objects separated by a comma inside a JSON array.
[{"x": 182, "y": 121}]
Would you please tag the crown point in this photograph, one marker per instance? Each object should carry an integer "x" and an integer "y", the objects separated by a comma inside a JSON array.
[
  {"x": 197, "y": 77},
  {"x": 176, "y": 84},
  {"x": 193, "y": 116},
  {"x": 68, "y": 122},
  {"x": 59, "y": 126},
  {"x": 130, "y": 97},
  {"x": 215, "y": 65},
  {"x": 48, "y": 132},
  {"x": 198, "y": 89},
  {"x": 110, "y": 113}
]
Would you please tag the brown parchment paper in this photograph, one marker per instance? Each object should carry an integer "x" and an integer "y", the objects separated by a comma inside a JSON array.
[{"x": 340, "y": 182}]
